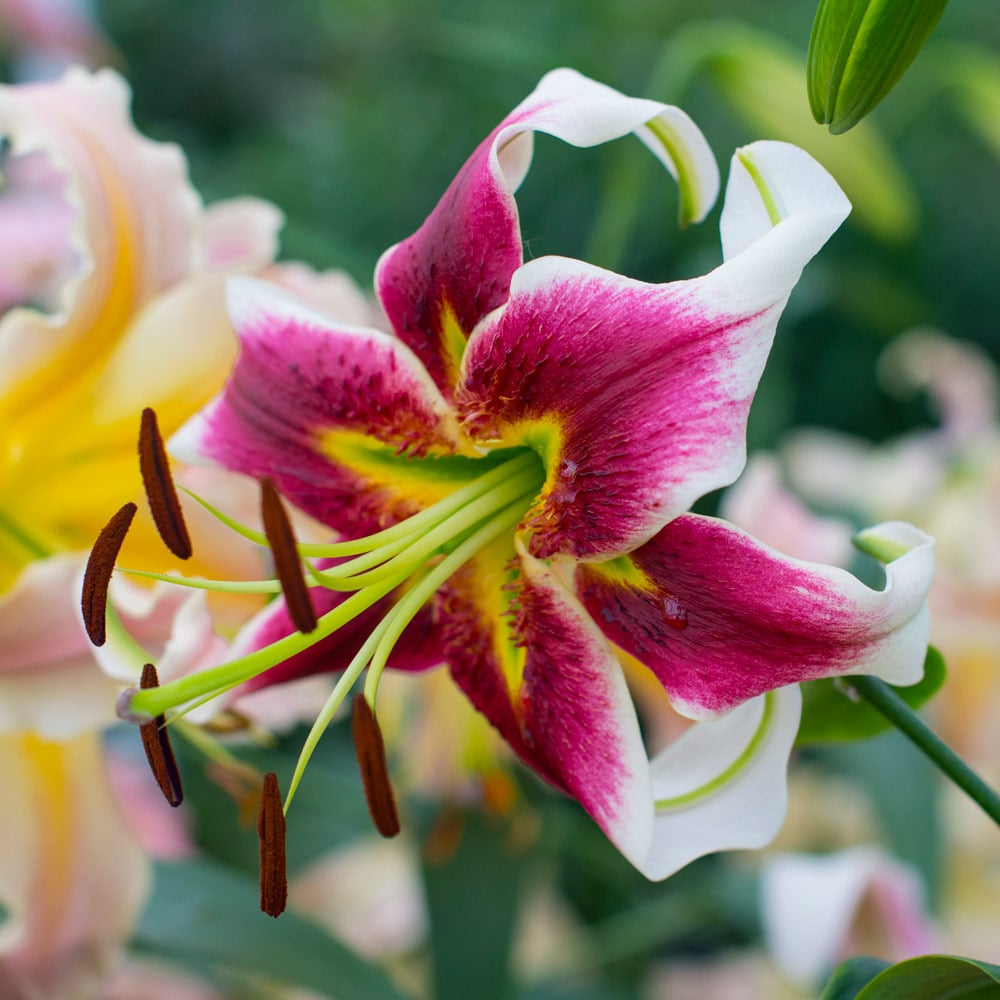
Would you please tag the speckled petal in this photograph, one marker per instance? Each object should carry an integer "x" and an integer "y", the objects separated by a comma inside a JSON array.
[
  {"x": 721, "y": 618},
  {"x": 637, "y": 395},
  {"x": 325, "y": 409},
  {"x": 439, "y": 283}
]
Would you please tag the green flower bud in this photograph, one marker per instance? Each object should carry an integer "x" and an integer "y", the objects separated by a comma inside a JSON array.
[{"x": 859, "y": 49}]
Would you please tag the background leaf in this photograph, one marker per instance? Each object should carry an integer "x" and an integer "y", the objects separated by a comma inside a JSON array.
[
  {"x": 852, "y": 976},
  {"x": 830, "y": 713},
  {"x": 203, "y": 913},
  {"x": 930, "y": 977}
]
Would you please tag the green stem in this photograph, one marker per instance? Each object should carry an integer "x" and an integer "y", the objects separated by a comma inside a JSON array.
[{"x": 883, "y": 699}]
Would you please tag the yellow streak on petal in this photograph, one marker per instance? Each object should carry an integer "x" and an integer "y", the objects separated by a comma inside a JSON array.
[
  {"x": 59, "y": 384},
  {"x": 483, "y": 579},
  {"x": 417, "y": 483},
  {"x": 53, "y": 807},
  {"x": 622, "y": 572},
  {"x": 453, "y": 340}
]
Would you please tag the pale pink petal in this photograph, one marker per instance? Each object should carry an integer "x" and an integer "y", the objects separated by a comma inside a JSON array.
[
  {"x": 135, "y": 228},
  {"x": 71, "y": 874},
  {"x": 49, "y": 682},
  {"x": 812, "y": 904},
  {"x": 747, "y": 808},
  {"x": 368, "y": 895},
  {"x": 161, "y": 830},
  {"x": 241, "y": 234},
  {"x": 721, "y": 618},
  {"x": 959, "y": 376},
  {"x": 166, "y": 625},
  {"x": 439, "y": 283},
  {"x": 36, "y": 218}
]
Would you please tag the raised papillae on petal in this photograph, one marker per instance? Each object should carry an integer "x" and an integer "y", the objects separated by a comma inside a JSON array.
[
  {"x": 330, "y": 412},
  {"x": 637, "y": 395},
  {"x": 439, "y": 283},
  {"x": 721, "y": 618}
]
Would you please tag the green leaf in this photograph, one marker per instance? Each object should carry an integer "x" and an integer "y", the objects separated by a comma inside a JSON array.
[
  {"x": 859, "y": 49},
  {"x": 472, "y": 875},
  {"x": 852, "y": 976},
  {"x": 204, "y": 913},
  {"x": 831, "y": 713},
  {"x": 930, "y": 977}
]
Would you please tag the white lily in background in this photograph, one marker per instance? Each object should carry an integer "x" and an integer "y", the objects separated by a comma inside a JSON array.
[{"x": 820, "y": 909}]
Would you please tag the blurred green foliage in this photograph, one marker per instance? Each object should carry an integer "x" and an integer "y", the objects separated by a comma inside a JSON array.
[{"x": 354, "y": 116}]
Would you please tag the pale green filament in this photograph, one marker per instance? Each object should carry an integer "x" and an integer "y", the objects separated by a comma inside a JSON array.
[
  {"x": 737, "y": 766},
  {"x": 201, "y": 583},
  {"x": 479, "y": 510},
  {"x": 417, "y": 553},
  {"x": 412, "y": 526},
  {"x": 379, "y": 644}
]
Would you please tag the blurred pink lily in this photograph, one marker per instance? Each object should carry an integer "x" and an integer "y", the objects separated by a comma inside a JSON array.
[
  {"x": 510, "y": 470},
  {"x": 819, "y": 910}
]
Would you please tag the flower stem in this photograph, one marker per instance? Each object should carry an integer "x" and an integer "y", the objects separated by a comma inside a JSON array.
[{"x": 883, "y": 699}]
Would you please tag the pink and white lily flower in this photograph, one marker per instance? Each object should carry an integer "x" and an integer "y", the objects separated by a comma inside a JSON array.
[{"x": 510, "y": 468}]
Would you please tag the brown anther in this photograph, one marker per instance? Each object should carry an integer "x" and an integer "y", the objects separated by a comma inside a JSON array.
[
  {"x": 370, "y": 751},
  {"x": 160, "y": 491},
  {"x": 97, "y": 576},
  {"x": 271, "y": 832},
  {"x": 281, "y": 538},
  {"x": 156, "y": 743}
]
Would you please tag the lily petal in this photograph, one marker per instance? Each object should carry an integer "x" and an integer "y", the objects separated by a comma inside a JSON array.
[
  {"x": 131, "y": 244},
  {"x": 721, "y": 618},
  {"x": 48, "y": 681},
  {"x": 637, "y": 395},
  {"x": 811, "y": 904},
  {"x": 439, "y": 283},
  {"x": 71, "y": 874},
  {"x": 324, "y": 409},
  {"x": 746, "y": 809},
  {"x": 558, "y": 697}
]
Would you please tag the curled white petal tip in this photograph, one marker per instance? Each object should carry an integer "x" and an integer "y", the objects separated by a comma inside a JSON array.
[{"x": 740, "y": 760}]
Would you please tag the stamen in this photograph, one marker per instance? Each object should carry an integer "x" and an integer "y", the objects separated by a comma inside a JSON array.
[
  {"x": 370, "y": 749},
  {"x": 281, "y": 538},
  {"x": 271, "y": 832},
  {"x": 156, "y": 743},
  {"x": 97, "y": 576},
  {"x": 160, "y": 491}
]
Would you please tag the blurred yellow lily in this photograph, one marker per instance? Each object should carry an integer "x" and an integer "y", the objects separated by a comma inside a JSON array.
[{"x": 113, "y": 299}]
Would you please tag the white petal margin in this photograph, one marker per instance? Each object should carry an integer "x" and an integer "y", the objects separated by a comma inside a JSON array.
[
  {"x": 781, "y": 206},
  {"x": 589, "y": 730},
  {"x": 586, "y": 113},
  {"x": 746, "y": 809},
  {"x": 811, "y": 902}
]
